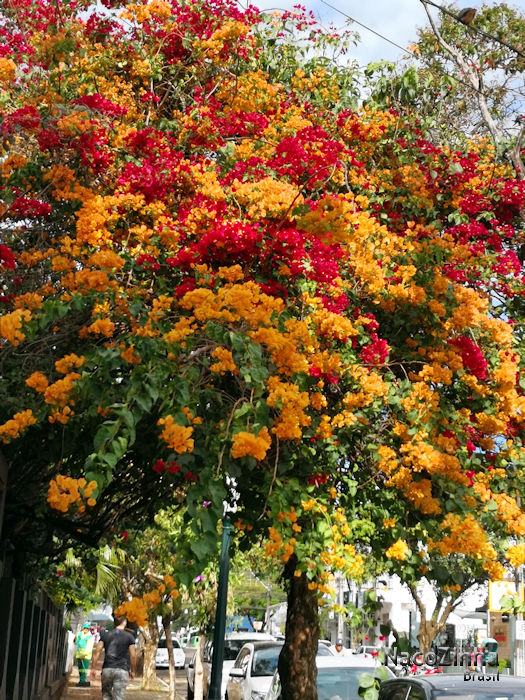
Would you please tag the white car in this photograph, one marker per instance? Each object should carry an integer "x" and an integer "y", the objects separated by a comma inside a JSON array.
[
  {"x": 252, "y": 673},
  {"x": 367, "y": 650},
  {"x": 326, "y": 649},
  {"x": 233, "y": 643},
  {"x": 337, "y": 676},
  {"x": 162, "y": 659}
]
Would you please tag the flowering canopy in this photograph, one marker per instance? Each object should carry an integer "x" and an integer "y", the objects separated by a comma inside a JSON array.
[{"x": 220, "y": 286}]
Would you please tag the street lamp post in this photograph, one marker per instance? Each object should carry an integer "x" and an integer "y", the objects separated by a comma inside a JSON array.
[{"x": 220, "y": 615}]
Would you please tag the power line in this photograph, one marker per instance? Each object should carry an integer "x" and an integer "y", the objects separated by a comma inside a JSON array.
[
  {"x": 471, "y": 26},
  {"x": 369, "y": 28}
]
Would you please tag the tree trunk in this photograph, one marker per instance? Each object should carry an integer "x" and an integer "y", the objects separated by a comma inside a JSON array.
[
  {"x": 149, "y": 677},
  {"x": 426, "y": 635},
  {"x": 297, "y": 668},
  {"x": 166, "y": 624},
  {"x": 198, "y": 683}
]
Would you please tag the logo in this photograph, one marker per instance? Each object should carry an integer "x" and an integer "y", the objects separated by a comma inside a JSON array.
[{"x": 474, "y": 663}]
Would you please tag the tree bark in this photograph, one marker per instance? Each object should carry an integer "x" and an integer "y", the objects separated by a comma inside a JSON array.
[
  {"x": 198, "y": 683},
  {"x": 297, "y": 668},
  {"x": 429, "y": 629},
  {"x": 166, "y": 624},
  {"x": 151, "y": 642}
]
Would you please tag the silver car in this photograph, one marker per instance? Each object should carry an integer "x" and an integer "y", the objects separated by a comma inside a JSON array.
[{"x": 337, "y": 677}]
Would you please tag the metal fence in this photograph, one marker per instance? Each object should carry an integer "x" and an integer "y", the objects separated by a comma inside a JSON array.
[{"x": 33, "y": 642}]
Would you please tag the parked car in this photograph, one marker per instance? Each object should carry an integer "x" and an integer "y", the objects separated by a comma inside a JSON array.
[
  {"x": 325, "y": 649},
  {"x": 233, "y": 643},
  {"x": 252, "y": 672},
  {"x": 162, "y": 659},
  {"x": 367, "y": 650},
  {"x": 337, "y": 676},
  {"x": 453, "y": 686}
]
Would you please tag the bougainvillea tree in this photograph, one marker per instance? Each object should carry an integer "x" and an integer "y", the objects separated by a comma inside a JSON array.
[{"x": 223, "y": 287}]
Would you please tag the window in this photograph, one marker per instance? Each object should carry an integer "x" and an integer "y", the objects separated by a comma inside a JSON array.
[
  {"x": 342, "y": 683},
  {"x": 243, "y": 659},
  {"x": 232, "y": 647},
  {"x": 399, "y": 691},
  {"x": 323, "y": 650},
  {"x": 265, "y": 661},
  {"x": 162, "y": 643},
  {"x": 416, "y": 693}
]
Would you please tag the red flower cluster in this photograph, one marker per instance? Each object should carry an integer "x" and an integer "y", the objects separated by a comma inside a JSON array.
[
  {"x": 7, "y": 258},
  {"x": 26, "y": 119},
  {"x": 147, "y": 262},
  {"x": 317, "y": 479},
  {"x": 169, "y": 467},
  {"x": 470, "y": 474},
  {"x": 376, "y": 352},
  {"x": 100, "y": 104},
  {"x": 27, "y": 207},
  {"x": 319, "y": 374},
  {"x": 471, "y": 356}
]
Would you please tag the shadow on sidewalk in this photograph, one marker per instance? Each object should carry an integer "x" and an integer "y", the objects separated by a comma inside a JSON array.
[{"x": 134, "y": 690}]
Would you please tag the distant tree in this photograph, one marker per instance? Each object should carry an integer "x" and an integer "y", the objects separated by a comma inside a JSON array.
[{"x": 463, "y": 80}]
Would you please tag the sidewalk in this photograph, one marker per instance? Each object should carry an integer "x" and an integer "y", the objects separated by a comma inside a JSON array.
[{"x": 134, "y": 690}]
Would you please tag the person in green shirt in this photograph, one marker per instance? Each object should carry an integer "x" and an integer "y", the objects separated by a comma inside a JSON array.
[{"x": 85, "y": 642}]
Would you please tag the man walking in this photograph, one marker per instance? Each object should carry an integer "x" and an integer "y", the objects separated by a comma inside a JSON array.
[
  {"x": 119, "y": 660},
  {"x": 84, "y": 642}
]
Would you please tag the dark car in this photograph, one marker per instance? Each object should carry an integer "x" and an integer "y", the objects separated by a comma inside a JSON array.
[{"x": 464, "y": 686}]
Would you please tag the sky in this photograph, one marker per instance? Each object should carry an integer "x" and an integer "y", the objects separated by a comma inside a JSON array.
[{"x": 395, "y": 19}]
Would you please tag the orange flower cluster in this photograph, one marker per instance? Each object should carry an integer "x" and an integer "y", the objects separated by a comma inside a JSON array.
[
  {"x": 399, "y": 550},
  {"x": 14, "y": 427},
  {"x": 65, "y": 491},
  {"x": 247, "y": 444},
  {"x": 142, "y": 609},
  {"x": 176, "y": 436}
]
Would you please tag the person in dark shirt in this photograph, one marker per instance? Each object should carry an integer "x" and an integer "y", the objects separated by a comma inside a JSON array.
[{"x": 119, "y": 660}]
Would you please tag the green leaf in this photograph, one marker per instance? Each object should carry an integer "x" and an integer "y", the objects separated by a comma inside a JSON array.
[
  {"x": 371, "y": 693},
  {"x": 153, "y": 391},
  {"x": 205, "y": 547},
  {"x": 456, "y": 168},
  {"x": 103, "y": 434},
  {"x": 217, "y": 491},
  {"x": 127, "y": 416},
  {"x": 110, "y": 458},
  {"x": 119, "y": 446},
  {"x": 366, "y": 680},
  {"x": 382, "y": 673},
  {"x": 143, "y": 402}
]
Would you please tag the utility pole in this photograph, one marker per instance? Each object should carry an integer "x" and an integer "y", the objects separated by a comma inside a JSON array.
[
  {"x": 340, "y": 602},
  {"x": 519, "y": 628},
  {"x": 220, "y": 616}
]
